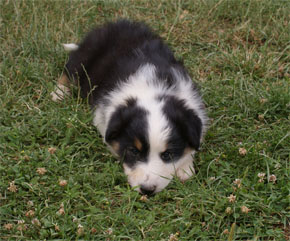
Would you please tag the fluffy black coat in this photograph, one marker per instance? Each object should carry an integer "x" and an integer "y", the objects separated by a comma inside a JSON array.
[{"x": 113, "y": 52}]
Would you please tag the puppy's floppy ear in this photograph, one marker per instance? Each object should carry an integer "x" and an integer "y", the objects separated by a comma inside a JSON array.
[
  {"x": 128, "y": 114},
  {"x": 185, "y": 120},
  {"x": 118, "y": 123}
]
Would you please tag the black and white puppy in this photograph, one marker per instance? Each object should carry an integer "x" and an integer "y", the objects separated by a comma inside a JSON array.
[{"x": 144, "y": 103}]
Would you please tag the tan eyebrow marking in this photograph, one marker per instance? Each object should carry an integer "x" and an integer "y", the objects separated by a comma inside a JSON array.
[{"x": 138, "y": 144}]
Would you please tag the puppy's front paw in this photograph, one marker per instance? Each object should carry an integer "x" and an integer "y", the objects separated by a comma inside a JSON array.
[
  {"x": 60, "y": 92},
  {"x": 185, "y": 171}
]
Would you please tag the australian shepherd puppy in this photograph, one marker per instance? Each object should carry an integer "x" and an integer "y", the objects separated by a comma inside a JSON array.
[{"x": 143, "y": 101}]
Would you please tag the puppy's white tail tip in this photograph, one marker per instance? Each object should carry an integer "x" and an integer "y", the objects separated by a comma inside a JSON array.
[{"x": 70, "y": 47}]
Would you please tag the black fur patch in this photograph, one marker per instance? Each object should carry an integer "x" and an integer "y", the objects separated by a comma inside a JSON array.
[
  {"x": 127, "y": 124},
  {"x": 185, "y": 124},
  {"x": 111, "y": 53}
]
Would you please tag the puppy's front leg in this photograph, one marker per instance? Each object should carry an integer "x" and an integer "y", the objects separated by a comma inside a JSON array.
[
  {"x": 185, "y": 171},
  {"x": 62, "y": 89}
]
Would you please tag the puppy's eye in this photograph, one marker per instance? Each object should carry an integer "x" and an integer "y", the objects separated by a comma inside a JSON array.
[
  {"x": 133, "y": 151},
  {"x": 166, "y": 156}
]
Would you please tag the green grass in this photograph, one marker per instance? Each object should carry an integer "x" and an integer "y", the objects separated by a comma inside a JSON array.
[{"x": 238, "y": 52}]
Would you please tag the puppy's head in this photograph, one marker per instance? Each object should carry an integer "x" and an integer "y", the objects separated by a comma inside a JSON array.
[{"x": 153, "y": 142}]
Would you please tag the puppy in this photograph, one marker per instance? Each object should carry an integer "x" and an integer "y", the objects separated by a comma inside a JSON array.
[{"x": 144, "y": 103}]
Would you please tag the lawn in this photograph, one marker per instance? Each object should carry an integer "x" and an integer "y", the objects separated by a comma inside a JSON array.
[{"x": 58, "y": 180}]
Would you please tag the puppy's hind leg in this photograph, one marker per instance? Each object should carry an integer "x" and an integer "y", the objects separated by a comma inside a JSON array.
[{"x": 62, "y": 89}]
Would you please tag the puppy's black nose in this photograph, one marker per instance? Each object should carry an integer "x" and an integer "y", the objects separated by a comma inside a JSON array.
[{"x": 147, "y": 190}]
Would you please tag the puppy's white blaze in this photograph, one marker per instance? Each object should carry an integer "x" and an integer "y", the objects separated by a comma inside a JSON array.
[
  {"x": 158, "y": 128},
  {"x": 70, "y": 47},
  {"x": 157, "y": 172}
]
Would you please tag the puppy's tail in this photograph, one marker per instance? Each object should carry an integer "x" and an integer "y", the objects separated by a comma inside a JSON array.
[{"x": 70, "y": 47}]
